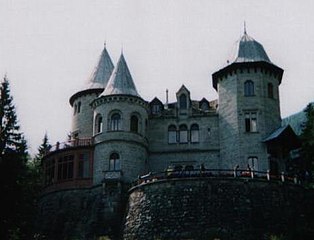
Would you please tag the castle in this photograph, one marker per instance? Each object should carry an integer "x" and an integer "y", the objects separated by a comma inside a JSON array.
[{"x": 117, "y": 135}]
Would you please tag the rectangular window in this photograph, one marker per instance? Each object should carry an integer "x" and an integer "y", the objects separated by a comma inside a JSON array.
[
  {"x": 251, "y": 122},
  {"x": 83, "y": 166},
  {"x": 65, "y": 167}
]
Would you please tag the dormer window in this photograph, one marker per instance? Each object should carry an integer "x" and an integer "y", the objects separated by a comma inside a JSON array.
[
  {"x": 156, "y": 109},
  {"x": 183, "y": 101}
]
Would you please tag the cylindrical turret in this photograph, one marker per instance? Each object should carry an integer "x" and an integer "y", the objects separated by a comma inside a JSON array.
[
  {"x": 120, "y": 117},
  {"x": 249, "y": 110},
  {"x": 82, "y": 119}
]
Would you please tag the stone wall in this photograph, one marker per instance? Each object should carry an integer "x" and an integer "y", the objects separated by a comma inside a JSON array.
[
  {"x": 82, "y": 214},
  {"x": 219, "y": 209}
]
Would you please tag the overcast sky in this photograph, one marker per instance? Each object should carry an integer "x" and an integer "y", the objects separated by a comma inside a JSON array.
[{"x": 49, "y": 48}]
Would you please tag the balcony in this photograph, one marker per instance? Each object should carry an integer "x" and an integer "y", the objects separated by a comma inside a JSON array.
[
  {"x": 83, "y": 142},
  {"x": 112, "y": 176}
]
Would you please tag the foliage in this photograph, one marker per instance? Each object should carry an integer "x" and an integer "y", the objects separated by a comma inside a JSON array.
[
  {"x": 14, "y": 173},
  {"x": 307, "y": 137}
]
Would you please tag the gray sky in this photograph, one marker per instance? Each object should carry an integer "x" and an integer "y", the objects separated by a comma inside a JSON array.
[{"x": 48, "y": 49}]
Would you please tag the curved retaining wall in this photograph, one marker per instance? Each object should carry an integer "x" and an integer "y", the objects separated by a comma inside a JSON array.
[{"x": 219, "y": 209}]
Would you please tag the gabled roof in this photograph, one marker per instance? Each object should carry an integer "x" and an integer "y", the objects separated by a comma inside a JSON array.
[
  {"x": 102, "y": 72},
  {"x": 121, "y": 81},
  {"x": 183, "y": 88},
  {"x": 284, "y": 136},
  {"x": 249, "y": 50}
]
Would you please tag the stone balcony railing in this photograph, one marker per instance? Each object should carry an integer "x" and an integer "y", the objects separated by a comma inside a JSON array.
[{"x": 113, "y": 175}]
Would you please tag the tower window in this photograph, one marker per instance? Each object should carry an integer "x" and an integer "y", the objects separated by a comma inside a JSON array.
[
  {"x": 270, "y": 90},
  {"x": 250, "y": 122},
  {"x": 75, "y": 108},
  {"x": 172, "y": 134},
  {"x": 98, "y": 124},
  {"x": 115, "y": 122},
  {"x": 183, "y": 101},
  {"x": 183, "y": 134},
  {"x": 194, "y": 133},
  {"x": 134, "y": 124},
  {"x": 78, "y": 107},
  {"x": 114, "y": 162},
  {"x": 248, "y": 88}
]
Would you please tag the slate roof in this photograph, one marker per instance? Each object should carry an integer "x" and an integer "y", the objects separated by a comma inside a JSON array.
[
  {"x": 249, "y": 50},
  {"x": 102, "y": 72},
  {"x": 276, "y": 133},
  {"x": 121, "y": 81}
]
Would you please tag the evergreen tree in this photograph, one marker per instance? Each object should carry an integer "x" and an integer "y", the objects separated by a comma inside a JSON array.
[
  {"x": 307, "y": 137},
  {"x": 37, "y": 162},
  {"x": 13, "y": 169}
]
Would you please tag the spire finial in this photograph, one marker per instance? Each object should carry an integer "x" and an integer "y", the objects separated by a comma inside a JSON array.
[
  {"x": 105, "y": 44},
  {"x": 245, "y": 28}
]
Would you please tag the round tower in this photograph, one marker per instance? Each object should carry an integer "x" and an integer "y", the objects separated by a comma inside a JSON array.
[
  {"x": 249, "y": 111},
  {"x": 82, "y": 118},
  {"x": 120, "y": 118}
]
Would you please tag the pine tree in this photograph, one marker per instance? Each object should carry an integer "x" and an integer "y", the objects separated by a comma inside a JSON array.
[
  {"x": 37, "y": 161},
  {"x": 307, "y": 137},
  {"x": 13, "y": 168}
]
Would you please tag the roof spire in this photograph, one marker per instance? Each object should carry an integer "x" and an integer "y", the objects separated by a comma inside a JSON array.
[
  {"x": 245, "y": 28},
  {"x": 102, "y": 71},
  {"x": 120, "y": 81}
]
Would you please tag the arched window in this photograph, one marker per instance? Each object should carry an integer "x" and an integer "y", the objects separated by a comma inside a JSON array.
[
  {"x": 270, "y": 90},
  {"x": 134, "y": 124},
  {"x": 172, "y": 134},
  {"x": 248, "y": 88},
  {"x": 183, "y": 134},
  {"x": 195, "y": 135},
  {"x": 114, "y": 162},
  {"x": 75, "y": 108},
  {"x": 115, "y": 122},
  {"x": 98, "y": 124},
  {"x": 183, "y": 101}
]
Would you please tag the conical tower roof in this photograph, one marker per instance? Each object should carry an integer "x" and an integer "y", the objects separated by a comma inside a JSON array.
[
  {"x": 249, "y": 50},
  {"x": 121, "y": 81},
  {"x": 99, "y": 78},
  {"x": 102, "y": 71}
]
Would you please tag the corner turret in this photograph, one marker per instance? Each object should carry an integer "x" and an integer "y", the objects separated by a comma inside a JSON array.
[
  {"x": 82, "y": 124},
  {"x": 249, "y": 109}
]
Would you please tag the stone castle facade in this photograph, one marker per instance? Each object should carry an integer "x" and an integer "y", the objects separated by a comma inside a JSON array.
[{"x": 117, "y": 135}]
